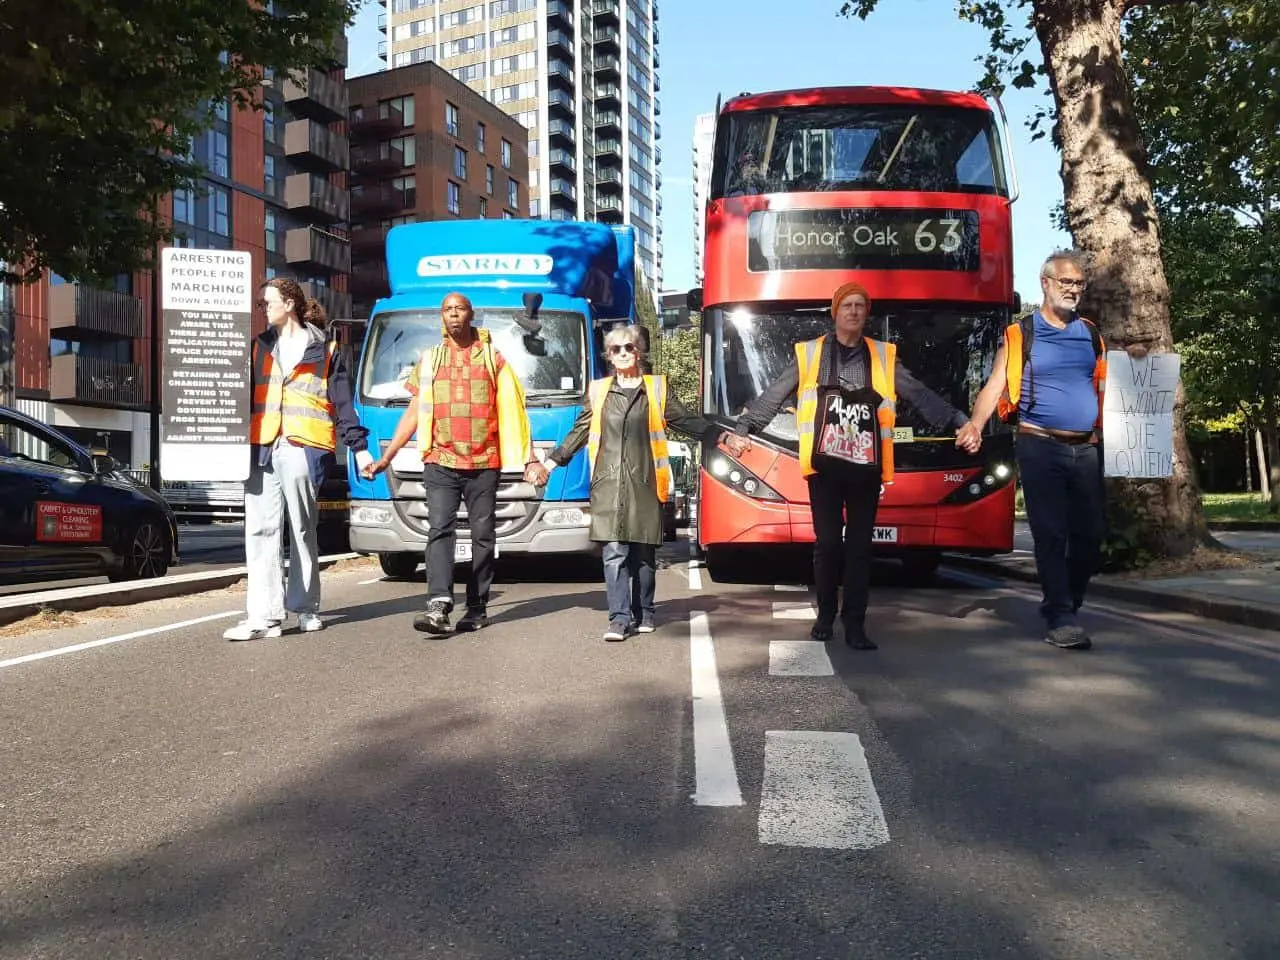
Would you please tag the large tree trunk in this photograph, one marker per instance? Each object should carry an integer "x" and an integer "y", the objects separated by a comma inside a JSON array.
[
  {"x": 1112, "y": 217},
  {"x": 1264, "y": 478}
]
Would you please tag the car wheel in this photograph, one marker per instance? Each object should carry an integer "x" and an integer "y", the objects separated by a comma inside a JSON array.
[
  {"x": 400, "y": 566},
  {"x": 146, "y": 555}
]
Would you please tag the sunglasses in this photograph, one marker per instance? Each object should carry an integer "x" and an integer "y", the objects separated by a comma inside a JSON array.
[{"x": 623, "y": 348}]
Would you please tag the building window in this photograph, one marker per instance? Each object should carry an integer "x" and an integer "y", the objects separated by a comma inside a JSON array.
[
  {"x": 452, "y": 121},
  {"x": 272, "y": 242},
  {"x": 535, "y": 209},
  {"x": 506, "y": 154},
  {"x": 270, "y": 181},
  {"x": 466, "y": 74},
  {"x": 408, "y": 146},
  {"x": 407, "y": 188},
  {"x": 488, "y": 179},
  {"x": 480, "y": 137},
  {"x": 484, "y": 207},
  {"x": 513, "y": 194},
  {"x": 403, "y": 104},
  {"x": 270, "y": 131},
  {"x": 453, "y": 198},
  {"x": 184, "y": 208},
  {"x": 460, "y": 163},
  {"x": 508, "y": 215}
]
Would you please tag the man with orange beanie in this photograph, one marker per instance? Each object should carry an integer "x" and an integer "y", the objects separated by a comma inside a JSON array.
[{"x": 847, "y": 386}]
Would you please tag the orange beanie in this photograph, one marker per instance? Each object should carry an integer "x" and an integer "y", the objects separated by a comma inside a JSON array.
[{"x": 844, "y": 290}]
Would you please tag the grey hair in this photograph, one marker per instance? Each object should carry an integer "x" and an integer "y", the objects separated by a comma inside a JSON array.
[
  {"x": 1073, "y": 257},
  {"x": 625, "y": 333}
]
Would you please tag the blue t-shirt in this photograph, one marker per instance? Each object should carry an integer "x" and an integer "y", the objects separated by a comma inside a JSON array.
[{"x": 1062, "y": 362}]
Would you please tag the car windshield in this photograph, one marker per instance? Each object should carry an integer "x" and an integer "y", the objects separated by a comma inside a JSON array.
[
  {"x": 948, "y": 350},
  {"x": 552, "y": 367},
  {"x": 856, "y": 147}
]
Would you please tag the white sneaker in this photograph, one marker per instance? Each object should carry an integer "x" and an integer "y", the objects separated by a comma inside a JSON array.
[
  {"x": 310, "y": 623},
  {"x": 252, "y": 630}
]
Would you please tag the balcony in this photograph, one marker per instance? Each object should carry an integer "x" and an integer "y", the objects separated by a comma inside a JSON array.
[
  {"x": 607, "y": 150},
  {"x": 607, "y": 67},
  {"x": 316, "y": 96},
  {"x": 558, "y": 10},
  {"x": 336, "y": 303},
  {"x": 607, "y": 38},
  {"x": 94, "y": 382},
  {"x": 312, "y": 147},
  {"x": 370, "y": 282},
  {"x": 376, "y": 160},
  {"x": 606, "y": 11},
  {"x": 382, "y": 23},
  {"x": 561, "y": 101},
  {"x": 375, "y": 123},
  {"x": 376, "y": 201},
  {"x": 86, "y": 313},
  {"x": 382, "y": 50},
  {"x": 609, "y": 95},
  {"x": 560, "y": 42},
  {"x": 561, "y": 130},
  {"x": 563, "y": 190},
  {"x": 609, "y": 178},
  {"x": 369, "y": 243},
  {"x": 563, "y": 159},
  {"x": 609, "y": 204},
  {"x": 609, "y": 122},
  {"x": 316, "y": 200},
  {"x": 560, "y": 71},
  {"x": 314, "y": 249},
  {"x": 339, "y": 58}
]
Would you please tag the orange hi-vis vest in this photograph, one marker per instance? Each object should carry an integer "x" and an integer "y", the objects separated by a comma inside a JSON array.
[
  {"x": 884, "y": 358},
  {"x": 296, "y": 406},
  {"x": 655, "y": 390},
  {"x": 1017, "y": 353},
  {"x": 515, "y": 446}
]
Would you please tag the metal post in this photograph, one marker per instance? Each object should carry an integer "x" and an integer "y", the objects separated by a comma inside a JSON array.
[{"x": 155, "y": 377}]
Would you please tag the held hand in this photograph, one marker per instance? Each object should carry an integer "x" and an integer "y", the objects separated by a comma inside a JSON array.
[
  {"x": 373, "y": 469},
  {"x": 735, "y": 443},
  {"x": 536, "y": 473},
  {"x": 969, "y": 438}
]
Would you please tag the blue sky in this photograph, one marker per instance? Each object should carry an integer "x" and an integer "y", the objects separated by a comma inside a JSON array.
[{"x": 714, "y": 47}]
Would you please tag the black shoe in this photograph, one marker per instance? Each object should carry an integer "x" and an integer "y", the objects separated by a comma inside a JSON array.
[
  {"x": 1070, "y": 637},
  {"x": 820, "y": 632},
  {"x": 857, "y": 639},
  {"x": 435, "y": 619},
  {"x": 474, "y": 619}
]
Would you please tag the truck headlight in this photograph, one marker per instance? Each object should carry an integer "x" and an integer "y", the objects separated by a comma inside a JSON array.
[
  {"x": 566, "y": 517},
  {"x": 370, "y": 516}
]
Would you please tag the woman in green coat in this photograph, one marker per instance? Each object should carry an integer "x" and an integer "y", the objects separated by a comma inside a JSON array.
[{"x": 624, "y": 429}]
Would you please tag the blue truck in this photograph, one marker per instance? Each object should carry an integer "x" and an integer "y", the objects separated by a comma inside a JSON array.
[{"x": 546, "y": 291}]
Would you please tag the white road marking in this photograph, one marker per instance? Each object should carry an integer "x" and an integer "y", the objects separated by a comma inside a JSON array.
[
  {"x": 715, "y": 774},
  {"x": 365, "y": 583},
  {"x": 791, "y": 588},
  {"x": 799, "y": 658},
  {"x": 695, "y": 575},
  {"x": 794, "y": 610},
  {"x": 818, "y": 792},
  {"x": 77, "y": 647}
]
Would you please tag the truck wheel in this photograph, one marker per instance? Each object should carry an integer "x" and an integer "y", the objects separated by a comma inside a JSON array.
[{"x": 399, "y": 566}]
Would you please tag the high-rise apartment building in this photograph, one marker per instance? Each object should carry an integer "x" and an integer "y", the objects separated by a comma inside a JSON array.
[
  {"x": 275, "y": 185},
  {"x": 425, "y": 146},
  {"x": 704, "y": 134},
  {"x": 580, "y": 75}
]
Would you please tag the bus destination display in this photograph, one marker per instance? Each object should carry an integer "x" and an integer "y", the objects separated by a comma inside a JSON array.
[{"x": 863, "y": 239}]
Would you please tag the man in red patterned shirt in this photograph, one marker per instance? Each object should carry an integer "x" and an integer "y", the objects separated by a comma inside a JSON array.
[{"x": 471, "y": 424}]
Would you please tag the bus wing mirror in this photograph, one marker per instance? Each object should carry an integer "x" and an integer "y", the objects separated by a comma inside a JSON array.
[
  {"x": 1017, "y": 303},
  {"x": 530, "y": 321},
  {"x": 693, "y": 299}
]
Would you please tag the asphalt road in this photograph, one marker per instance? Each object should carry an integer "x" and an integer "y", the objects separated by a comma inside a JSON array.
[{"x": 531, "y": 791}]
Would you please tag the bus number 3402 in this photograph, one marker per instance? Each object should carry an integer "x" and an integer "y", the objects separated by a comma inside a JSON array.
[{"x": 927, "y": 241}]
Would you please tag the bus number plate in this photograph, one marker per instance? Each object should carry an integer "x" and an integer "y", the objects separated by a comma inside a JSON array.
[{"x": 884, "y": 535}]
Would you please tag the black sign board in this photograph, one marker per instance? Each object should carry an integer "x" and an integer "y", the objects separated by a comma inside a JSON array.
[
  {"x": 207, "y": 298},
  {"x": 863, "y": 239}
]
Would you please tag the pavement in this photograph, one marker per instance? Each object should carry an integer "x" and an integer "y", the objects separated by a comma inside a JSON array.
[{"x": 1249, "y": 596}]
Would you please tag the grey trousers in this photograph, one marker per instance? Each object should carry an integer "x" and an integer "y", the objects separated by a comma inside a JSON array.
[{"x": 283, "y": 489}]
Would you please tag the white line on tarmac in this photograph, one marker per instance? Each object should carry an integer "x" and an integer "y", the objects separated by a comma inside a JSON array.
[
  {"x": 365, "y": 583},
  {"x": 794, "y": 610},
  {"x": 799, "y": 658},
  {"x": 791, "y": 588},
  {"x": 77, "y": 647},
  {"x": 715, "y": 774},
  {"x": 695, "y": 575},
  {"x": 817, "y": 792}
]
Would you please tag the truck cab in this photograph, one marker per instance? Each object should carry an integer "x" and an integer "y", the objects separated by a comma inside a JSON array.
[{"x": 545, "y": 291}]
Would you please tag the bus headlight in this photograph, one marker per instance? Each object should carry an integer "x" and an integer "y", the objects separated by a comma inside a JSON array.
[
  {"x": 737, "y": 477},
  {"x": 993, "y": 477}
]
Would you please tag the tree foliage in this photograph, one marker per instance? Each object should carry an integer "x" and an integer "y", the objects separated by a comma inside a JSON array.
[{"x": 102, "y": 99}]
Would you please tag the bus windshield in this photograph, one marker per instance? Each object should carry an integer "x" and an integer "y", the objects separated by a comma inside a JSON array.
[
  {"x": 856, "y": 147},
  {"x": 949, "y": 350},
  {"x": 552, "y": 367}
]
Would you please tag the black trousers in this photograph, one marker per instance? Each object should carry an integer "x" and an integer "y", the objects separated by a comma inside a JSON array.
[
  {"x": 844, "y": 514},
  {"x": 446, "y": 490},
  {"x": 1066, "y": 510}
]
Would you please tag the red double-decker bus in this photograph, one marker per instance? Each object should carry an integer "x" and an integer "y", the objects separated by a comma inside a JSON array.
[{"x": 907, "y": 192}]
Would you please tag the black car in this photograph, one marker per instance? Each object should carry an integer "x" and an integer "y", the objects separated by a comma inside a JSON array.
[{"x": 65, "y": 512}]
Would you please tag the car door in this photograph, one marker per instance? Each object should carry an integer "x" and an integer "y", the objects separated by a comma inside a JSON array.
[{"x": 46, "y": 514}]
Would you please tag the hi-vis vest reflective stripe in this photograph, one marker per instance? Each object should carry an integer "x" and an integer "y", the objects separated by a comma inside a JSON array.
[
  {"x": 515, "y": 446},
  {"x": 883, "y": 363},
  {"x": 1007, "y": 406},
  {"x": 655, "y": 390},
  {"x": 296, "y": 406}
]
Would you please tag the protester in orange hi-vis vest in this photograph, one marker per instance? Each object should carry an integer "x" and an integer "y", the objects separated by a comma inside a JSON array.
[
  {"x": 470, "y": 420},
  {"x": 847, "y": 387},
  {"x": 1048, "y": 377},
  {"x": 624, "y": 428},
  {"x": 301, "y": 400}
]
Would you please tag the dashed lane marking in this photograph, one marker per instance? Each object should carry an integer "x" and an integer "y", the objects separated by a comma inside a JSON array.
[
  {"x": 791, "y": 588},
  {"x": 715, "y": 775},
  {"x": 794, "y": 610},
  {"x": 695, "y": 575},
  {"x": 799, "y": 658}
]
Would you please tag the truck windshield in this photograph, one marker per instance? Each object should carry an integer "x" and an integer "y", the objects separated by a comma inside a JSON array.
[{"x": 553, "y": 368}]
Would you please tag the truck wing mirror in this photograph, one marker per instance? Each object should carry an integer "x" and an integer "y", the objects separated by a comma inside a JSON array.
[{"x": 530, "y": 321}]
